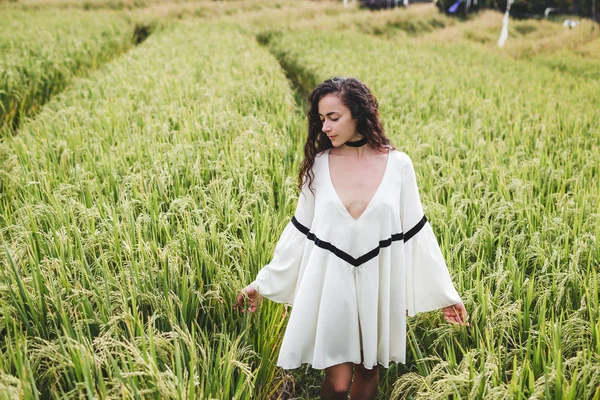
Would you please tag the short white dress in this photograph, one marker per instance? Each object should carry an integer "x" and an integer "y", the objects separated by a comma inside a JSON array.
[{"x": 352, "y": 282}]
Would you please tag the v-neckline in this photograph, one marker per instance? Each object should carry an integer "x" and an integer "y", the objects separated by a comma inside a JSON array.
[{"x": 339, "y": 200}]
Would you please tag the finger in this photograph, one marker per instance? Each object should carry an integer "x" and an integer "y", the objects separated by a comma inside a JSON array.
[
  {"x": 463, "y": 321},
  {"x": 450, "y": 321},
  {"x": 466, "y": 319}
]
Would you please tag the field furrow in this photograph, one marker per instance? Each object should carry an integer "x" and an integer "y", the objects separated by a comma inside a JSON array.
[{"x": 42, "y": 51}]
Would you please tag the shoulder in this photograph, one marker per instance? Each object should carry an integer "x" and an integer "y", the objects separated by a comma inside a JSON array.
[
  {"x": 402, "y": 160},
  {"x": 319, "y": 157},
  {"x": 321, "y": 153},
  {"x": 316, "y": 167}
]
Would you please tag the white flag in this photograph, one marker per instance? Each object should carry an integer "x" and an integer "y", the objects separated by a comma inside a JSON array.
[{"x": 504, "y": 31}]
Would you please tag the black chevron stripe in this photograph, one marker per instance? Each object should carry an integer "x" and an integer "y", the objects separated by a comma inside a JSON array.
[
  {"x": 415, "y": 229},
  {"x": 366, "y": 257}
]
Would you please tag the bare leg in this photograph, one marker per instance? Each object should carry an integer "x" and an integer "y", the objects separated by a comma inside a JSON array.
[
  {"x": 364, "y": 386},
  {"x": 336, "y": 383}
]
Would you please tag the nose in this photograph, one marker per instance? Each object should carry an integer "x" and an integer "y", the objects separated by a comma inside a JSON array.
[{"x": 326, "y": 127}]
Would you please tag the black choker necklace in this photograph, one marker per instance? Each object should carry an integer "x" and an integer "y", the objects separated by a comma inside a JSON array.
[{"x": 357, "y": 143}]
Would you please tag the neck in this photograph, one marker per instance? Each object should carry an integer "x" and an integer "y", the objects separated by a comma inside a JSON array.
[
  {"x": 356, "y": 143},
  {"x": 355, "y": 152}
]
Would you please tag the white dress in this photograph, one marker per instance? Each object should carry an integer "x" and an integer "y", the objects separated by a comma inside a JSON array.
[{"x": 352, "y": 282}]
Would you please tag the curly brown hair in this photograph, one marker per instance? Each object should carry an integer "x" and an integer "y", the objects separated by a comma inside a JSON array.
[{"x": 364, "y": 109}]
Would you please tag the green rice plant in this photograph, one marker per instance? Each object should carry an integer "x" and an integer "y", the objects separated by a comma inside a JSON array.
[
  {"x": 579, "y": 65},
  {"x": 42, "y": 51}
]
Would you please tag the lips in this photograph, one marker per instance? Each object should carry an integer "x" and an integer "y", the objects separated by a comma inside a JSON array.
[{"x": 331, "y": 137}]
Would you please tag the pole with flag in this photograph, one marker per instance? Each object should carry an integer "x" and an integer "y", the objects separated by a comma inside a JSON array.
[{"x": 504, "y": 31}]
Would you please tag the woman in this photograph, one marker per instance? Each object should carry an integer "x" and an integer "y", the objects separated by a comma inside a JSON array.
[{"x": 358, "y": 254}]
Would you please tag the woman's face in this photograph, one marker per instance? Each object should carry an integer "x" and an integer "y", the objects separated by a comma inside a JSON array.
[{"x": 337, "y": 120}]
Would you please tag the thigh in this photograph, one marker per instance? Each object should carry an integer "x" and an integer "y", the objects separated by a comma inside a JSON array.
[
  {"x": 367, "y": 373},
  {"x": 360, "y": 368},
  {"x": 339, "y": 372}
]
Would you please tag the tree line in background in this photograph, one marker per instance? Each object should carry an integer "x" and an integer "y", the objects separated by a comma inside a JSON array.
[
  {"x": 519, "y": 8},
  {"x": 524, "y": 8}
]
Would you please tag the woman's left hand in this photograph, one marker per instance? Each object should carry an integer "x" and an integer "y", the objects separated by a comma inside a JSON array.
[{"x": 456, "y": 314}]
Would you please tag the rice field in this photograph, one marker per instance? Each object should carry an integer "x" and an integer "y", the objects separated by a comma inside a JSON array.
[{"x": 150, "y": 185}]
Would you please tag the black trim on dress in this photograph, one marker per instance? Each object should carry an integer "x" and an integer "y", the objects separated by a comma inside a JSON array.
[
  {"x": 366, "y": 257},
  {"x": 415, "y": 229}
]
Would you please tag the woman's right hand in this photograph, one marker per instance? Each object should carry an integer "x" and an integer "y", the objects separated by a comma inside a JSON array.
[{"x": 251, "y": 295}]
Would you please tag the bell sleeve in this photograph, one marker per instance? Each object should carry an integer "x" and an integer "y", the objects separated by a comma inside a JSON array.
[
  {"x": 277, "y": 280},
  {"x": 428, "y": 281}
]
